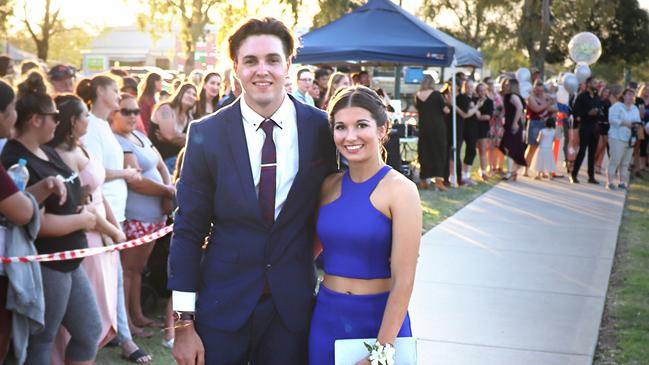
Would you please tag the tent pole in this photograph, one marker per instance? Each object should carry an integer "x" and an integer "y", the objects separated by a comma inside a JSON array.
[
  {"x": 453, "y": 97},
  {"x": 397, "y": 83}
]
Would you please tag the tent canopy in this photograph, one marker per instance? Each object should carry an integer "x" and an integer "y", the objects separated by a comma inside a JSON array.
[{"x": 381, "y": 32}]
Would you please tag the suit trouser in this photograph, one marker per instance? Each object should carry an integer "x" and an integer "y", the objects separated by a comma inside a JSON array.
[
  {"x": 620, "y": 159},
  {"x": 588, "y": 139},
  {"x": 263, "y": 340}
]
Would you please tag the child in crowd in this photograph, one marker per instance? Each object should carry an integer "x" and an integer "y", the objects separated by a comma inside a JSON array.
[{"x": 544, "y": 162}]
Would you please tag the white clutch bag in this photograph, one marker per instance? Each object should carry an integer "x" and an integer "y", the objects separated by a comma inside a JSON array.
[{"x": 349, "y": 352}]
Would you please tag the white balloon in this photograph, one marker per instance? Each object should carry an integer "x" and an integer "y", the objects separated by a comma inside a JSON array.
[
  {"x": 523, "y": 75},
  {"x": 570, "y": 82},
  {"x": 585, "y": 47},
  {"x": 582, "y": 71},
  {"x": 526, "y": 89},
  {"x": 562, "y": 95}
]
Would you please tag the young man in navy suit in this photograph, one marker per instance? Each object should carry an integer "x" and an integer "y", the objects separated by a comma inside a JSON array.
[{"x": 250, "y": 183}]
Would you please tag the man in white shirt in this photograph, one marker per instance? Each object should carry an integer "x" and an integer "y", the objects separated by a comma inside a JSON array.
[
  {"x": 249, "y": 182},
  {"x": 304, "y": 83}
]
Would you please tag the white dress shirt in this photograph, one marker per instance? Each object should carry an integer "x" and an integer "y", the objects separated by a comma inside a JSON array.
[{"x": 286, "y": 146}]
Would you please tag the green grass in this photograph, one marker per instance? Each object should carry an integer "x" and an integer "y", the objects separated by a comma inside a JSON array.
[
  {"x": 436, "y": 206},
  {"x": 624, "y": 334}
]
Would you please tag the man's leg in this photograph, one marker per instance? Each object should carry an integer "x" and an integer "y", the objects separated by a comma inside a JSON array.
[
  {"x": 223, "y": 347},
  {"x": 273, "y": 343},
  {"x": 593, "y": 138}
]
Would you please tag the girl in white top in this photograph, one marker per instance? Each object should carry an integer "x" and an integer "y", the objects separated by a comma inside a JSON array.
[
  {"x": 101, "y": 94},
  {"x": 544, "y": 161}
]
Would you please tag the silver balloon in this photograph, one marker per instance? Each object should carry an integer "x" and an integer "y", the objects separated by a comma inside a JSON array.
[
  {"x": 570, "y": 82},
  {"x": 523, "y": 75},
  {"x": 585, "y": 47},
  {"x": 582, "y": 71},
  {"x": 526, "y": 89}
]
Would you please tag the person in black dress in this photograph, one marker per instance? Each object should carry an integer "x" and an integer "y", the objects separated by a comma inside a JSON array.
[
  {"x": 432, "y": 147},
  {"x": 484, "y": 116},
  {"x": 512, "y": 144}
]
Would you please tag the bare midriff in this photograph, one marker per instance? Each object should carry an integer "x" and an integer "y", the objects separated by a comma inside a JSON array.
[{"x": 356, "y": 286}]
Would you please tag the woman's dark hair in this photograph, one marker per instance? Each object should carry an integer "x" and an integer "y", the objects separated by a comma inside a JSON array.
[
  {"x": 5, "y": 62},
  {"x": 70, "y": 107},
  {"x": 147, "y": 88},
  {"x": 7, "y": 95},
  {"x": 176, "y": 98},
  {"x": 550, "y": 123},
  {"x": 87, "y": 88},
  {"x": 627, "y": 90},
  {"x": 32, "y": 99},
  {"x": 268, "y": 25},
  {"x": 361, "y": 97},
  {"x": 202, "y": 97},
  {"x": 28, "y": 65}
]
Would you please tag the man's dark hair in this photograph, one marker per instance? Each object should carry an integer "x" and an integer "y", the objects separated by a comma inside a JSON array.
[
  {"x": 302, "y": 70},
  {"x": 589, "y": 79},
  {"x": 269, "y": 26},
  {"x": 322, "y": 71}
]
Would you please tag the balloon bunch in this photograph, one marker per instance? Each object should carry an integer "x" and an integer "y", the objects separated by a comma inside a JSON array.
[
  {"x": 524, "y": 78},
  {"x": 585, "y": 49}
]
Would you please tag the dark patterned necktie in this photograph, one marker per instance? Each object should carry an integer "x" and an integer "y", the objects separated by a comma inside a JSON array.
[{"x": 267, "y": 178}]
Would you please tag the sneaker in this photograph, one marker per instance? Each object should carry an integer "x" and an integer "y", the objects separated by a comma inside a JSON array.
[
  {"x": 610, "y": 187},
  {"x": 469, "y": 182},
  {"x": 622, "y": 186},
  {"x": 168, "y": 344}
]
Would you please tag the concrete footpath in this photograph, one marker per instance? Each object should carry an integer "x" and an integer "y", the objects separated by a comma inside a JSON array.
[{"x": 519, "y": 276}]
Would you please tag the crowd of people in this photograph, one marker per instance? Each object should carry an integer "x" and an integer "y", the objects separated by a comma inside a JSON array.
[
  {"x": 103, "y": 158},
  {"x": 104, "y": 155},
  {"x": 510, "y": 132}
]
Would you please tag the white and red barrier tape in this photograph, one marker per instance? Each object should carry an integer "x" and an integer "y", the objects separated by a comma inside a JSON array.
[{"x": 85, "y": 252}]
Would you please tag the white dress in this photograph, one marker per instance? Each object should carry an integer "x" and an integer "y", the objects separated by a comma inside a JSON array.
[{"x": 544, "y": 159}]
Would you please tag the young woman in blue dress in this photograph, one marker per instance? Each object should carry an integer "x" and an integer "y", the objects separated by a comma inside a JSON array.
[{"x": 369, "y": 226}]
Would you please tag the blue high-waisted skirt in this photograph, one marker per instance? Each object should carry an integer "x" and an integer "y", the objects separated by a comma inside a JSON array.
[{"x": 343, "y": 316}]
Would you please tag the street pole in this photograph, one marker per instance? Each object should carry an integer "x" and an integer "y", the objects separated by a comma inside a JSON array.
[{"x": 454, "y": 150}]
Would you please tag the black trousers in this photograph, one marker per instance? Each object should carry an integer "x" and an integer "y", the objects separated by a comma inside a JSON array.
[
  {"x": 588, "y": 138},
  {"x": 263, "y": 340}
]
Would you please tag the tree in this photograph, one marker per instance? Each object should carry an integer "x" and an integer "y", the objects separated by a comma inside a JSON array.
[
  {"x": 331, "y": 10},
  {"x": 479, "y": 21},
  {"x": 193, "y": 15},
  {"x": 49, "y": 26},
  {"x": 6, "y": 10}
]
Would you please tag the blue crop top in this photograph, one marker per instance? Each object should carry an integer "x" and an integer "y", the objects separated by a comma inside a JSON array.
[{"x": 356, "y": 238}]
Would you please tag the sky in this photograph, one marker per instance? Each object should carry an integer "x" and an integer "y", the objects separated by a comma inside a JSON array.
[{"x": 102, "y": 13}]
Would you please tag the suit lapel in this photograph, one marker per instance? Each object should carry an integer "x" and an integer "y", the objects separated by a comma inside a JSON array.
[{"x": 240, "y": 156}]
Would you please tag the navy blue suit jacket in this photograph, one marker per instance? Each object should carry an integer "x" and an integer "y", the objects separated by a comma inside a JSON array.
[{"x": 216, "y": 189}]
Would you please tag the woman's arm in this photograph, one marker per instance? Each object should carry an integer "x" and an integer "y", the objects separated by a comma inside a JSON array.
[
  {"x": 145, "y": 185},
  {"x": 166, "y": 119},
  {"x": 53, "y": 225},
  {"x": 405, "y": 208},
  {"x": 519, "y": 113}
]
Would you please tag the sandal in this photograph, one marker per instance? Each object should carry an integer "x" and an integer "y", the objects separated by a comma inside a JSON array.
[
  {"x": 152, "y": 323},
  {"x": 138, "y": 356},
  {"x": 142, "y": 333}
]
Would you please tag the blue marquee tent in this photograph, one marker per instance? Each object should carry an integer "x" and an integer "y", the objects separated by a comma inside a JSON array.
[{"x": 381, "y": 32}]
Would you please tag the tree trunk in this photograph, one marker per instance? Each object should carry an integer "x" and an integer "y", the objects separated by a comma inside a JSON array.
[
  {"x": 189, "y": 62},
  {"x": 42, "y": 48}
]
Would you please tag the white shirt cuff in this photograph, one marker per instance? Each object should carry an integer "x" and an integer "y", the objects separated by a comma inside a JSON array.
[{"x": 183, "y": 301}]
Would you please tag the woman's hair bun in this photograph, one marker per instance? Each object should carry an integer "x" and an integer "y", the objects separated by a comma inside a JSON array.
[{"x": 33, "y": 84}]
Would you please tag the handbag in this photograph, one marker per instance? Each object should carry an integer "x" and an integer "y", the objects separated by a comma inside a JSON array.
[{"x": 350, "y": 351}]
